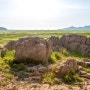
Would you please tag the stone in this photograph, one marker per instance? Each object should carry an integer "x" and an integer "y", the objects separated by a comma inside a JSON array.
[
  {"x": 71, "y": 42},
  {"x": 10, "y": 45},
  {"x": 45, "y": 87},
  {"x": 86, "y": 76},
  {"x": 41, "y": 68},
  {"x": 3, "y": 53},
  {"x": 82, "y": 72},
  {"x": 67, "y": 67},
  {"x": 31, "y": 49}
]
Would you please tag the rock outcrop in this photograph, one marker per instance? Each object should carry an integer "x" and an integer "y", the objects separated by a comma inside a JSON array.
[
  {"x": 67, "y": 67},
  {"x": 84, "y": 63},
  {"x": 71, "y": 42},
  {"x": 31, "y": 49}
]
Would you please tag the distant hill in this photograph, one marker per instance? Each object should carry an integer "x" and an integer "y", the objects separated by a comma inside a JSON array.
[
  {"x": 3, "y": 28},
  {"x": 77, "y": 28}
]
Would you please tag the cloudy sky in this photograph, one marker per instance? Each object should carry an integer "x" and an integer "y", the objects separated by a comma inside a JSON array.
[{"x": 44, "y": 14}]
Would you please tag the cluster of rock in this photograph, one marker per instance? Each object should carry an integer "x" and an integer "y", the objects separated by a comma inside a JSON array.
[
  {"x": 39, "y": 49},
  {"x": 71, "y": 42},
  {"x": 31, "y": 49},
  {"x": 85, "y": 63},
  {"x": 67, "y": 67}
]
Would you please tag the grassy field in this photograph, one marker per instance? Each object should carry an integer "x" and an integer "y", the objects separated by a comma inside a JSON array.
[
  {"x": 8, "y": 35},
  {"x": 9, "y": 69}
]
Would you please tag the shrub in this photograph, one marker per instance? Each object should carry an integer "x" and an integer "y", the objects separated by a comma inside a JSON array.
[
  {"x": 65, "y": 52},
  {"x": 50, "y": 78},
  {"x": 54, "y": 57},
  {"x": 9, "y": 57},
  {"x": 7, "y": 75},
  {"x": 87, "y": 70},
  {"x": 72, "y": 78},
  {"x": 1, "y": 65},
  {"x": 18, "y": 67}
]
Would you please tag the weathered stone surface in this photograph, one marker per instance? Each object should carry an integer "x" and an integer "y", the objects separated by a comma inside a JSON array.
[
  {"x": 31, "y": 49},
  {"x": 56, "y": 43},
  {"x": 86, "y": 76},
  {"x": 82, "y": 72},
  {"x": 71, "y": 42},
  {"x": 10, "y": 45},
  {"x": 3, "y": 53},
  {"x": 84, "y": 63},
  {"x": 67, "y": 67}
]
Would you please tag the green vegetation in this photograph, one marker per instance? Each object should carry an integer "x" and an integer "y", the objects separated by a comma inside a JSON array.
[
  {"x": 65, "y": 52},
  {"x": 8, "y": 75},
  {"x": 72, "y": 78},
  {"x": 9, "y": 57},
  {"x": 18, "y": 67},
  {"x": 50, "y": 78},
  {"x": 8, "y": 35},
  {"x": 59, "y": 56},
  {"x": 87, "y": 70},
  {"x": 54, "y": 57},
  {"x": 8, "y": 66}
]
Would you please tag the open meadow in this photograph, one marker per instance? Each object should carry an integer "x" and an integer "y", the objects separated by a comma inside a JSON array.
[{"x": 9, "y": 35}]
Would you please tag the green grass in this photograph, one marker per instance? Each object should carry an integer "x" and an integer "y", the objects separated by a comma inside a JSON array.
[
  {"x": 18, "y": 67},
  {"x": 72, "y": 78},
  {"x": 9, "y": 57},
  {"x": 54, "y": 57},
  {"x": 9, "y": 35},
  {"x": 87, "y": 70},
  {"x": 50, "y": 78}
]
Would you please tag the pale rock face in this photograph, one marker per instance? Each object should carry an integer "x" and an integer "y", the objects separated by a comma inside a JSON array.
[{"x": 31, "y": 49}]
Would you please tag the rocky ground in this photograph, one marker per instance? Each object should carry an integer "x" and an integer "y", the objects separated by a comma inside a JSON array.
[
  {"x": 51, "y": 69},
  {"x": 31, "y": 78}
]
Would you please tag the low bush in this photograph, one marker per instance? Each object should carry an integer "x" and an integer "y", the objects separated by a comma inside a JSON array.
[
  {"x": 50, "y": 78},
  {"x": 18, "y": 67},
  {"x": 7, "y": 75},
  {"x": 9, "y": 57},
  {"x": 72, "y": 77},
  {"x": 87, "y": 70},
  {"x": 54, "y": 57},
  {"x": 65, "y": 52}
]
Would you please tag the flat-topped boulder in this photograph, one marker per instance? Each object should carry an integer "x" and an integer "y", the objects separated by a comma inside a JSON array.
[{"x": 31, "y": 49}]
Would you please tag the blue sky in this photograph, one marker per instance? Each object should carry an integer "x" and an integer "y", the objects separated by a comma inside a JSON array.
[{"x": 44, "y": 14}]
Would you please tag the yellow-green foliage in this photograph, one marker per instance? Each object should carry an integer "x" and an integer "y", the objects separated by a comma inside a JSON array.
[
  {"x": 65, "y": 52},
  {"x": 50, "y": 78},
  {"x": 87, "y": 70},
  {"x": 7, "y": 75},
  {"x": 72, "y": 78},
  {"x": 55, "y": 56},
  {"x": 9, "y": 57}
]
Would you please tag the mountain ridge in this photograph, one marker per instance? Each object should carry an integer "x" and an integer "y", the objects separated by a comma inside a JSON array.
[
  {"x": 77, "y": 28},
  {"x": 3, "y": 28}
]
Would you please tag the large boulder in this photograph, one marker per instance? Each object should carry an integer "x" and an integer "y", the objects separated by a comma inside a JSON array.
[
  {"x": 71, "y": 42},
  {"x": 31, "y": 49},
  {"x": 77, "y": 43}
]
